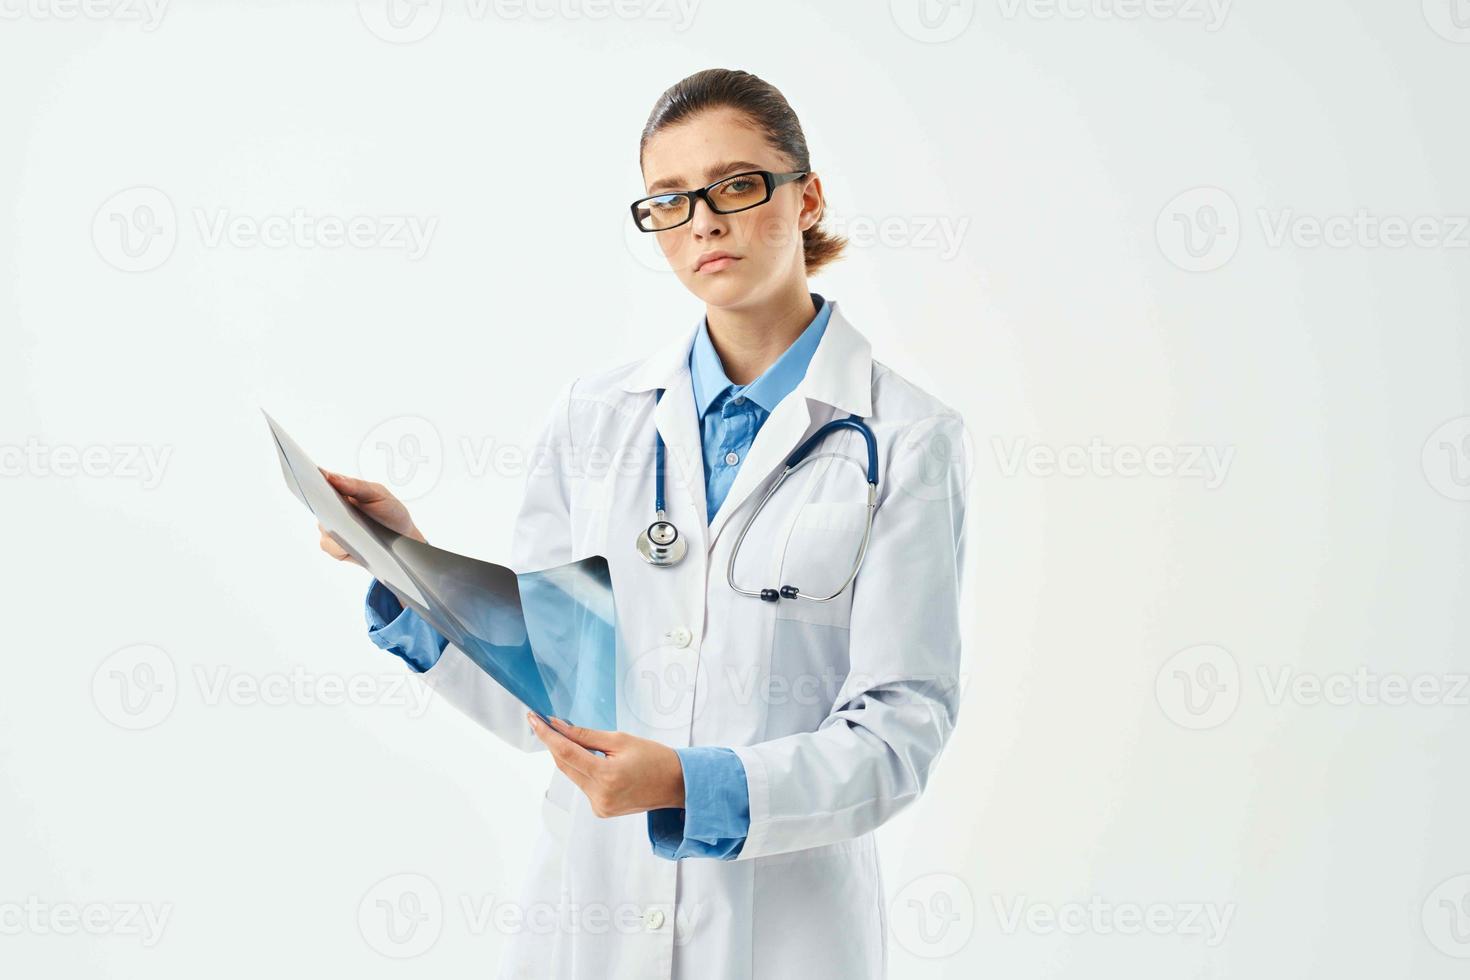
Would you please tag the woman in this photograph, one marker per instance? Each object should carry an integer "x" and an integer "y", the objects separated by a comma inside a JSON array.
[{"x": 726, "y": 829}]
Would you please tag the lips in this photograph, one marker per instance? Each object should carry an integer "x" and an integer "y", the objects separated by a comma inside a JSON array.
[{"x": 715, "y": 261}]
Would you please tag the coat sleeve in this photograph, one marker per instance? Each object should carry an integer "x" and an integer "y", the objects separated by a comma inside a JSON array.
[
  {"x": 873, "y": 753},
  {"x": 542, "y": 539}
]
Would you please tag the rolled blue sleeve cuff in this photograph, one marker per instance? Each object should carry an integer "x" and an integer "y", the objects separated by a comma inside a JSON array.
[
  {"x": 401, "y": 631},
  {"x": 715, "y": 818}
]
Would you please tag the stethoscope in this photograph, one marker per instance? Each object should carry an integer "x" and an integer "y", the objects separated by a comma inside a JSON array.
[{"x": 662, "y": 545}]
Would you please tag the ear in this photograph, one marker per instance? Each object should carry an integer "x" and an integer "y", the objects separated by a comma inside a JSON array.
[{"x": 813, "y": 202}]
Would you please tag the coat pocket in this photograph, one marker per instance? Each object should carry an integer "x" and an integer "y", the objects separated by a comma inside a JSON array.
[
  {"x": 826, "y": 906},
  {"x": 818, "y": 557}
]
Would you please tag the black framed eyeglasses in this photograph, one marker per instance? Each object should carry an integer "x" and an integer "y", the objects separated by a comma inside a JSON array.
[{"x": 738, "y": 192}]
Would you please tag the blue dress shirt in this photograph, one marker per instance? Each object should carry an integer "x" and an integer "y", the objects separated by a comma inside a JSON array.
[
  {"x": 730, "y": 415},
  {"x": 716, "y": 814}
]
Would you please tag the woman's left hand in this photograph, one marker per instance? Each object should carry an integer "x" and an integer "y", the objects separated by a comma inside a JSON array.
[{"x": 635, "y": 775}]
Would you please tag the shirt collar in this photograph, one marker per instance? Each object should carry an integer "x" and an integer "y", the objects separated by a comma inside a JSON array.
[{"x": 774, "y": 384}]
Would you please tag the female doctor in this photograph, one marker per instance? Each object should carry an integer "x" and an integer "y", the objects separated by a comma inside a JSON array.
[{"x": 775, "y": 710}]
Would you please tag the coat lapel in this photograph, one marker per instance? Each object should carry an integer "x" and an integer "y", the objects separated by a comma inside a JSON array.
[
  {"x": 683, "y": 461},
  {"x": 674, "y": 418},
  {"x": 839, "y": 379}
]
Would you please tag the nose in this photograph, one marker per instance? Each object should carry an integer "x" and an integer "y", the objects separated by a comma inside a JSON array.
[{"x": 705, "y": 222}]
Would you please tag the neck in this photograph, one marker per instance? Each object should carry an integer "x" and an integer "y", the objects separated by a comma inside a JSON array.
[{"x": 750, "y": 338}]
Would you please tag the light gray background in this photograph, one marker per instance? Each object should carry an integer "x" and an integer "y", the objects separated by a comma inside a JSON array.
[{"x": 1088, "y": 226}]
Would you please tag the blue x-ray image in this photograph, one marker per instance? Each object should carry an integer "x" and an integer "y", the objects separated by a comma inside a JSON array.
[{"x": 547, "y": 636}]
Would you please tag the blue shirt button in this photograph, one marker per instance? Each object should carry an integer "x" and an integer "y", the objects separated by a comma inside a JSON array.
[{"x": 732, "y": 458}]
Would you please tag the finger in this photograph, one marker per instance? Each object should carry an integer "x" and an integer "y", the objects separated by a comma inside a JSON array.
[
  {"x": 351, "y": 486},
  {"x": 563, "y": 748},
  {"x": 331, "y": 547},
  {"x": 564, "y": 759},
  {"x": 582, "y": 780},
  {"x": 592, "y": 738}
]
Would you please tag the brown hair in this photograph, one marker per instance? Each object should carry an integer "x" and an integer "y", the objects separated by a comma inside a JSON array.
[{"x": 771, "y": 113}]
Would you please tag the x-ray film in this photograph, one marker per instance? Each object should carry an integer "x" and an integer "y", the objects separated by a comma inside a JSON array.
[{"x": 548, "y": 636}]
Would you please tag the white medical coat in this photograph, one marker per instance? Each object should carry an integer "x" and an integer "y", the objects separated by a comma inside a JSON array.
[{"x": 838, "y": 710}]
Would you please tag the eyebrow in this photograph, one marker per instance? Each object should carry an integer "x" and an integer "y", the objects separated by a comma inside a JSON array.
[{"x": 711, "y": 174}]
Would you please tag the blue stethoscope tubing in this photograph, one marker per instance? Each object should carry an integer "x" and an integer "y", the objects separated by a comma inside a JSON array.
[{"x": 661, "y": 544}]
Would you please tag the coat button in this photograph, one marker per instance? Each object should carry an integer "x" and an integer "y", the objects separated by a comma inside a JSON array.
[
  {"x": 680, "y": 637},
  {"x": 654, "y": 918}
]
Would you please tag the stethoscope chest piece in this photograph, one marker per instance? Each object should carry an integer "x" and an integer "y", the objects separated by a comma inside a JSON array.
[{"x": 661, "y": 543}]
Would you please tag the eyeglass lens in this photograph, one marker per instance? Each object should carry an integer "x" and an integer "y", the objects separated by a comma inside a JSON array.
[{"x": 731, "y": 194}]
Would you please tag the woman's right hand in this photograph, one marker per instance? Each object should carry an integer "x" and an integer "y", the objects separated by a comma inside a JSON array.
[{"x": 374, "y": 500}]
